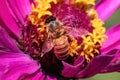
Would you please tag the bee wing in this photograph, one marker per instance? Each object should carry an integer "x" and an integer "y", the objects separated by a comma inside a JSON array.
[
  {"x": 68, "y": 29},
  {"x": 47, "y": 45},
  {"x": 76, "y": 32}
]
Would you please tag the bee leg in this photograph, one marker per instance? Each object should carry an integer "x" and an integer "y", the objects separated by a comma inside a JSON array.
[{"x": 70, "y": 38}]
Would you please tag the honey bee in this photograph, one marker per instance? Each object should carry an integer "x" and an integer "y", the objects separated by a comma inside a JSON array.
[{"x": 57, "y": 39}]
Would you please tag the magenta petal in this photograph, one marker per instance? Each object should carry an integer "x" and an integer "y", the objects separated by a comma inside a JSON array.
[
  {"x": 117, "y": 56},
  {"x": 113, "y": 40},
  {"x": 71, "y": 70},
  {"x": 15, "y": 12},
  {"x": 50, "y": 78},
  {"x": 40, "y": 76},
  {"x": 106, "y": 7},
  {"x": 95, "y": 66},
  {"x": 7, "y": 18},
  {"x": 15, "y": 65},
  {"x": 3, "y": 48},
  {"x": 6, "y": 42},
  {"x": 114, "y": 66},
  {"x": 24, "y": 7},
  {"x": 21, "y": 9}
]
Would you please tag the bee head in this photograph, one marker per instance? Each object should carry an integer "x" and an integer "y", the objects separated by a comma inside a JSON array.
[
  {"x": 49, "y": 19},
  {"x": 52, "y": 23}
]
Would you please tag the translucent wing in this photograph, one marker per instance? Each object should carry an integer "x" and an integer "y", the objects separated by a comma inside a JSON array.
[
  {"x": 47, "y": 45},
  {"x": 76, "y": 32}
]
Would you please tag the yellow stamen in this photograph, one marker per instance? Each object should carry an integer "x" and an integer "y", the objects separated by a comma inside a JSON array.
[
  {"x": 94, "y": 40},
  {"x": 40, "y": 10},
  {"x": 73, "y": 47},
  {"x": 83, "y": 4},
  {"x": 83, "y": 1}
]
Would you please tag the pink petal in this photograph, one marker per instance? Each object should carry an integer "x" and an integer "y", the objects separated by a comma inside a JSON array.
[
  {"x": 95, "y": 66},
  {"x": 113, "y": 41},
  {"x": 117, "y": 57},
  {"x": 114, "y": 66},
  {"x": 40, "y": 76},
  {"x": 14, "y": 14},
  {"x": 106, "y": 8},
  {"x": 15, "y": 65},
  {"x": 21, "y": 8},
  {"x": 7, "y": 19},
  {"x": 7, "y": 43},
  {"x": 24, "y": 7},
  {"x": 71, "y": 70}
]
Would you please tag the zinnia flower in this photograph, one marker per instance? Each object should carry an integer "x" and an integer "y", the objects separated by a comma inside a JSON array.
[{"x": 49, "y": 39}]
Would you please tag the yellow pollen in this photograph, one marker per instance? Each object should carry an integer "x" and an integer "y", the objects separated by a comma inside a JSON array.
[
  {"x": 40, "y": 10},
  {"x": 83, "y": 4},
  {"x": 86, "y": 1},
  {"x": 83, "y": 1},
  {"x": 73, "y": 47}
]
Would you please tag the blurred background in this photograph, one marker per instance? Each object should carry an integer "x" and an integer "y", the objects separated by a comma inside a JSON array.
[{"x": 114, "y": 19}]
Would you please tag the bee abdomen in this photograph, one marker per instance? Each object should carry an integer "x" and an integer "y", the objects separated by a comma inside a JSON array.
[{"x": 61, "y": 47}]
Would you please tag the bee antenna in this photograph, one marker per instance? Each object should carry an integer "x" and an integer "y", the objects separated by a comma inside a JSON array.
[{"x": 49, "y": 19}]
